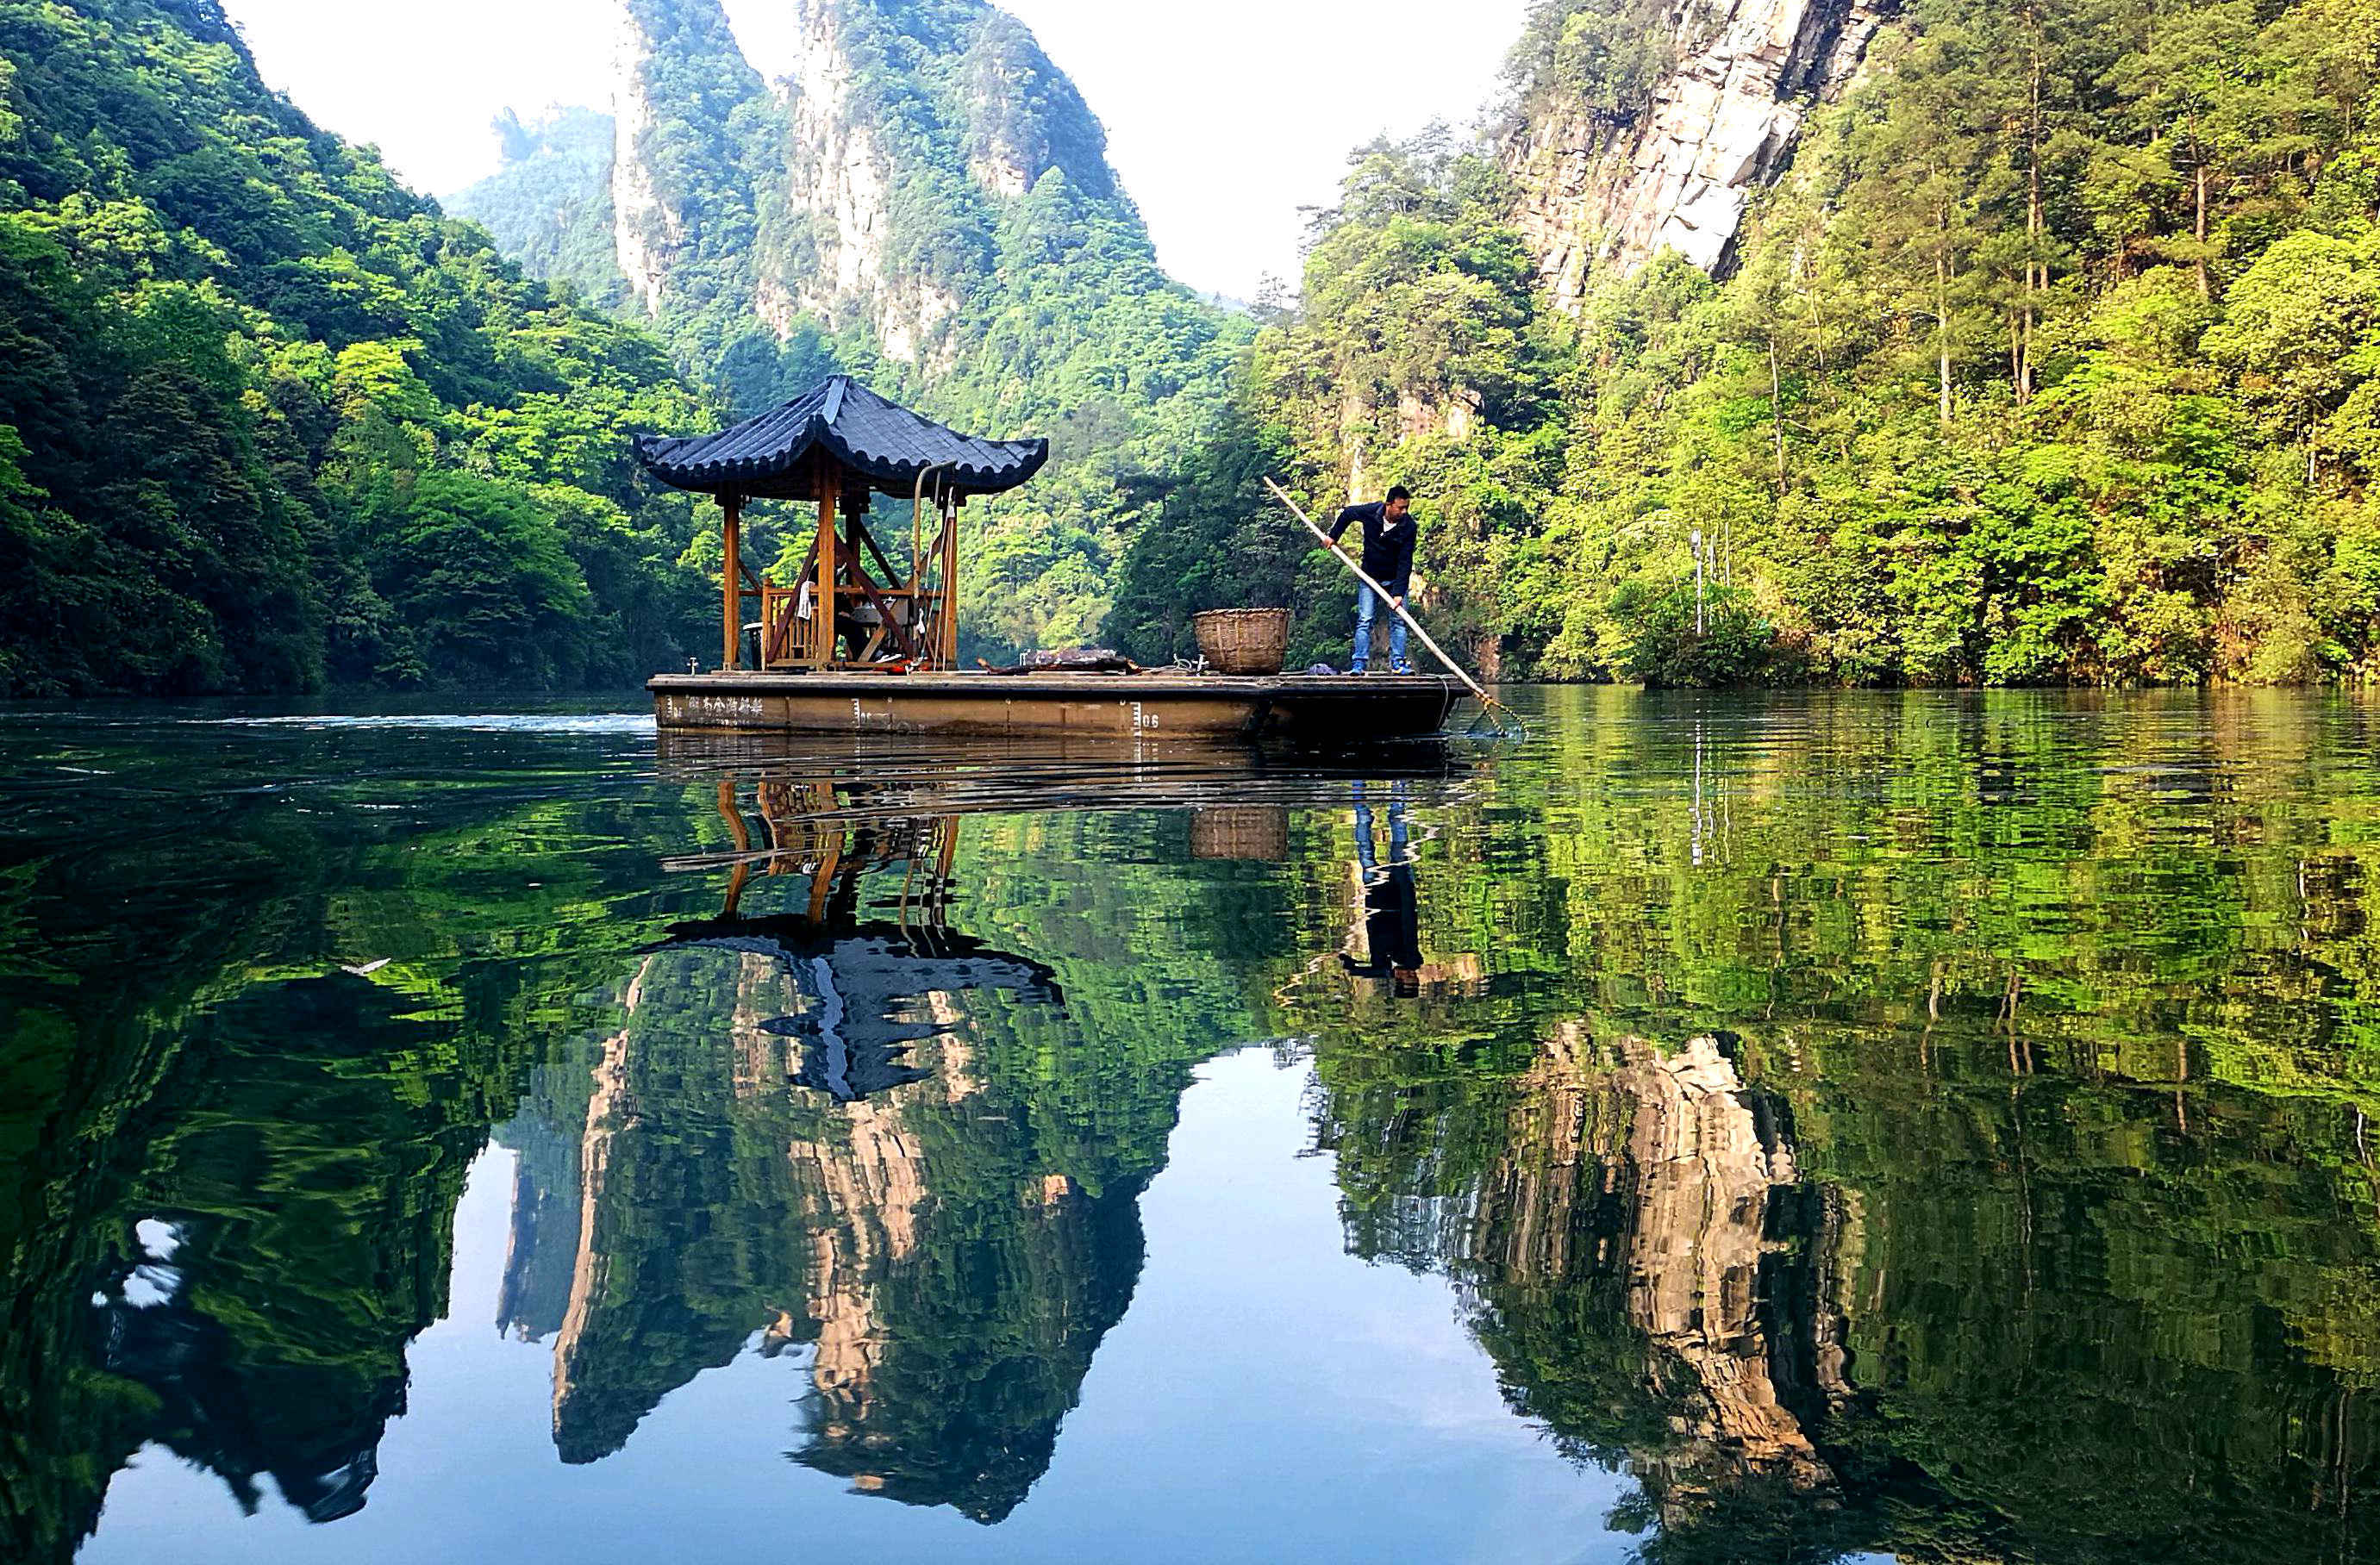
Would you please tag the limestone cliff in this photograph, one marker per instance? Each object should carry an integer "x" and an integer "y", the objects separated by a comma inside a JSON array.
[
  {"x": 864, "y": 191},
  {"x": 685, "y": 109},
  {"x": 1604, "y": 183}
]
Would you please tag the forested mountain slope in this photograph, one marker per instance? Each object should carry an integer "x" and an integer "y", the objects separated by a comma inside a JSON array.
[
  {"x": 2051, "y": 354},
  {"x": 268, "y": 421},
  {"x": 924, "y": 200}
]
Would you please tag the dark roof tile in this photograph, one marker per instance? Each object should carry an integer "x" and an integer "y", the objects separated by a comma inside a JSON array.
[{"x": 768, "y": 454}]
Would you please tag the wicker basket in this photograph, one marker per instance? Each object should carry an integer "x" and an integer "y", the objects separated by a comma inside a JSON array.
[
  {"x": 1244, "y": 640},
  {"x": 1247, "y": 832}
]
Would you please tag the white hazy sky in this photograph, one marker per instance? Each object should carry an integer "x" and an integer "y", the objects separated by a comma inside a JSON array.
[{"x": 1223, "y": 116}]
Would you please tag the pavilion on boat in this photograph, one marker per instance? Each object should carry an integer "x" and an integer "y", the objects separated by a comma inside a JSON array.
[{"x": 851, "y": 608}]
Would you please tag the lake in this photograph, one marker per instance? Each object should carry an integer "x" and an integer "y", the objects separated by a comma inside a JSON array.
[{"x": 1936, "y": 1126}]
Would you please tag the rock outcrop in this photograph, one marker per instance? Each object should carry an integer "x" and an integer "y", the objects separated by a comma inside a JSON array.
[
  {"x": 1600, "y": 188},
  {"x": 682, "y": 197},
  {"x": 840, "y": 177},
  {"x": 647, "y": 231}
]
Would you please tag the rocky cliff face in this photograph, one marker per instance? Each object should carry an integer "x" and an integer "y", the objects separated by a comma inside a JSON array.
[
  {"x": 649, "y": 230},
  {"x": 841, "y": 178},
  {"x": 864, "y": 190},
  {"x": 1611, "y": 187}
]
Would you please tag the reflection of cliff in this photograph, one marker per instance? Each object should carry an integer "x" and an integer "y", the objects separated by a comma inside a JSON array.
[
  {"x": 1705, "y": 1165},
  {"x": 953, "y": 1329},
  {"x": 1652, "y": 1281},
  {"x": 680, "y": 1225}
]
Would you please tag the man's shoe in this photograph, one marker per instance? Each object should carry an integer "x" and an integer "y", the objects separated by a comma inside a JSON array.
[
  {"x": 1401, "y": 666},
  {"x": 1355, "y": 668}
]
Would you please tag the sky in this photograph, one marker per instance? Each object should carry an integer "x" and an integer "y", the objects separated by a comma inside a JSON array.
[{"x": 1225, "y": 117}]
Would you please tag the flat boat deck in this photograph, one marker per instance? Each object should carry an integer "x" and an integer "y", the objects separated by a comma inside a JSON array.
[{"x": 1144, "y": 705}]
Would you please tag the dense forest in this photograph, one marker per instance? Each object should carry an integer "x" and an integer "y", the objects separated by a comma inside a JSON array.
[
  {"x": 2053, "y": 357},
  {"x": 269, "y": 422}
]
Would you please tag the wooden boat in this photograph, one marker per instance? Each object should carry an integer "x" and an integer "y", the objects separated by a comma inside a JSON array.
[
  {"x": 1332, "y": 708},
  {"x": 859, "y": 644}
]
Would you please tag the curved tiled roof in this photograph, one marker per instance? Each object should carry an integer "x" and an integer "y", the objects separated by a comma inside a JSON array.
[{"x": 769, "y": 455}]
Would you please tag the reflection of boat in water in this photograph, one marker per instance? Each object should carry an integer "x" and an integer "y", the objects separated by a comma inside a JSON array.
[
  {"x": 870, "y": 987},
  {"x": 819, "y": 777}
]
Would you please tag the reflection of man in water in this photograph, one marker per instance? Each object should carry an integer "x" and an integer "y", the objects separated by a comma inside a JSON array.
[{"x": 1391, "y": 929}]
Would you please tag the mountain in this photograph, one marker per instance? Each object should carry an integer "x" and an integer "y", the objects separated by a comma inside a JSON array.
[
  {"x": 1813, "y": 340},
  {"x": 269, "y": 420},
  {"x": 924, "y": 200},
  {"x": 549, "y": 206}
]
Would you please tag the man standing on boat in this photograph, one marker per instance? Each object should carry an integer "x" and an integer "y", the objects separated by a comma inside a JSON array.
[{"x": 1387, "y": 559}]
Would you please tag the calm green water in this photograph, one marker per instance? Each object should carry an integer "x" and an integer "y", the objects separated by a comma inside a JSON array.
[{"x": 1808, "y": 1128}]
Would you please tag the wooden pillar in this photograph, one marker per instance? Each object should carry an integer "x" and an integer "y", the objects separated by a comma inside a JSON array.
[
  {"x": 950, "y": 587},
  {"x": 732, "y": 561},
  {"x": 855, "y": 521},
  {"x": 823, "y": 600}
]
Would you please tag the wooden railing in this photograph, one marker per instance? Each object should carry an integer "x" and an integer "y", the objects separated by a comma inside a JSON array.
[{"x": 889, "y": 626}]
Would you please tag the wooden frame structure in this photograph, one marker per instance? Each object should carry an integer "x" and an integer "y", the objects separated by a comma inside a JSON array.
[
  {"x": 884, "y": 618},
  {"x": 851, "y": 615}
]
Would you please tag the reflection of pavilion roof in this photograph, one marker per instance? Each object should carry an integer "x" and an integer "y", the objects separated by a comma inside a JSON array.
[
  {"x": 770, "y": 455},
  {"x": 869, "y": 983}
]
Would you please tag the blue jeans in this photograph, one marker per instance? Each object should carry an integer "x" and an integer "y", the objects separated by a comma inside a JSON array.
[{"x": 1366, "y": 606}]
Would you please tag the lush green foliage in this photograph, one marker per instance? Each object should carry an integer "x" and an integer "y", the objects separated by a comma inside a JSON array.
[
  {"x": 548, "y": 206},
  {"x": 1609, "y": 55},
  {"x": 2080, "y": 383},
  {"x": 267, "y": 420}
]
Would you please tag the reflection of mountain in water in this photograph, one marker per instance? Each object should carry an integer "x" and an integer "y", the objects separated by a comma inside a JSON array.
[
  {"x": 890, "y": 1151},
  {"x": 1653, "y": 1281},
  {"x": 311, "y": 1192},
  {"x": 1929, "y": 1323},
  {"x": 1713, "y": 1226},
  {"x": 1703, "y": 1248},
  {"x": 949, "y": 1282}
]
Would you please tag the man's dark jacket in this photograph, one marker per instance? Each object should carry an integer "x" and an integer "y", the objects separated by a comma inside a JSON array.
[{"x": 1388, "y": 550}]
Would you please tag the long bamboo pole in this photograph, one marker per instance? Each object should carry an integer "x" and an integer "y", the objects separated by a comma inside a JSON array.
[{"x": 1383, "y": 593}]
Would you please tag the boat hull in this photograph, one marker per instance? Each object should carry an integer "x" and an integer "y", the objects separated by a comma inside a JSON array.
[{"x": 1146, "y": 706}]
